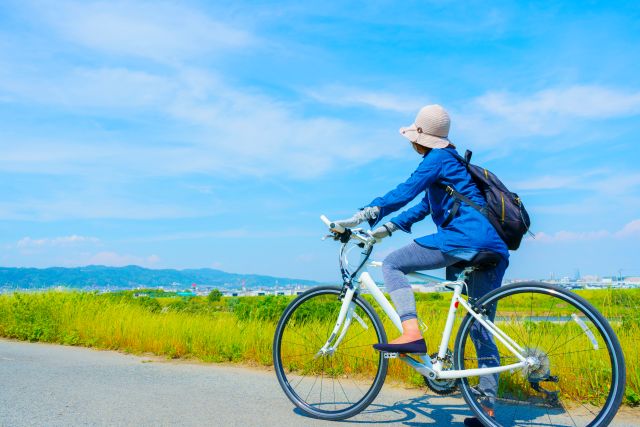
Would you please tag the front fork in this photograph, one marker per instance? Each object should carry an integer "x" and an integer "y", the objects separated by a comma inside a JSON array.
[{"x": 347, "y": 314}]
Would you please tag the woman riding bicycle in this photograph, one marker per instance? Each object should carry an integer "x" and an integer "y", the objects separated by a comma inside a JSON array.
[{"x": 462, "y": 233}]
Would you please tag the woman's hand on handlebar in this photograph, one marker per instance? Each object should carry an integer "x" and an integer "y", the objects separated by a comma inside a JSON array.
[
  {"x": 384, "y": 231},
  {"x": 345, "y": 234},
  {"x": 365, "y": 214}
]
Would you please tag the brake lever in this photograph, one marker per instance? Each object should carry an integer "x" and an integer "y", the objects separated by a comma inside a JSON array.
[
  {"x": 339, "y": 237},
  {"x": 344, "y": 236}
]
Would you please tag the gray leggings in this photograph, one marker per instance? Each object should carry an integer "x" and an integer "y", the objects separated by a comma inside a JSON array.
[
  {"x": 408, "y": 259},
  {"x": 414, "y": 257}
]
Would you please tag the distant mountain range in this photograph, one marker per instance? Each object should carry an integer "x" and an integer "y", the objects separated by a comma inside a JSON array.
[{"x": 133, "y": 276}]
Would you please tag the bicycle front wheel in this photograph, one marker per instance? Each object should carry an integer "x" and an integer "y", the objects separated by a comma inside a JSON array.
[
  {"x": 578, "y": 373},
  {"x": 335, "y": 385}
]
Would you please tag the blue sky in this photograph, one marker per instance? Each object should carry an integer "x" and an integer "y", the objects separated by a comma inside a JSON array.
[{"x": 202, "y": 134}]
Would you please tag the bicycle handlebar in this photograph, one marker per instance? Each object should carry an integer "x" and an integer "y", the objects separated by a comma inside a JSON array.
[
  {"x": 332, "y": 225},
  {"x": 356, "y": 233},
  {"x": 344, "y": 235}
]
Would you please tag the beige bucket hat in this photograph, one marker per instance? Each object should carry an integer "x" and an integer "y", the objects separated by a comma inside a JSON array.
[{"x": 431, "y": 128}]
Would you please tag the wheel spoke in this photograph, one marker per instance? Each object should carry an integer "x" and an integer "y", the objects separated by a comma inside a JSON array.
[
  {"x": 303, "y": 354},
  {"x": 314, "y": 384},
  {"x": 560, "y": 334},
  {"x": 354, "y": 346},
  {"x": 581, "y": 333},
  {"x": 318, "y": 341},
  {"x": 333, "y": 386},
  {"x": 530, "y": 317},
  {"x": 551, "y": 340},
  {"x": 343, "y": 392},
  {"x": 355, "y": 366},
  {"x": 294, "y": 343},
  {"x": 546, "y": 318},
  {"x": 322, "y": 379},
  {"x": 356, "y": 336},
  {"x": 576, "y": 351}
]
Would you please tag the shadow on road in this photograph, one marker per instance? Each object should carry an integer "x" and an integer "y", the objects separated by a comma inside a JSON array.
[
  {"x": 418, "y": 411},
  {"x": 429, "y": 410}
]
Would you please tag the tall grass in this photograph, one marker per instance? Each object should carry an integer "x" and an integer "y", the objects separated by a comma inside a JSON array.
[
  {"x": 135, "y": 325},
  {"x": 241, "y": 329}
]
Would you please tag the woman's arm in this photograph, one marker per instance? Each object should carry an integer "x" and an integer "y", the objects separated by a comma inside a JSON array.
[
  {"x": 426, "y": 174},
  {"x": 406, "y": 219}
]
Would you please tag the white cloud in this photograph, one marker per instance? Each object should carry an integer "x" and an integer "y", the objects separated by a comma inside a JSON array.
[
  {"x": 71, "y": 251},
  {"x": 114, "y": 259},
  {"x": 232, "y": 233},
  {"x": 629, "y": 230},
  {"x": 496, "y": 116},
  {"x": 80, "y": 87},
  {"x": 564, "y": 236},
  {"x": 161, "y": 31},
  {"x": 595, "y": 191},
  {"x": 83, "y": 204},
  {"x": 602, "y": 181},
  {"x": 547, "y": 182},
  {"x": 221, "y": 128},
  {"x": 28, "y": 242},
  {"x": 307, "y": 258},
  {"x": 580, "y": 101},
  {"x": 348, "y": 97},
  {"x": 232, "y": 131},
  {"x": 618, "y": 184}
]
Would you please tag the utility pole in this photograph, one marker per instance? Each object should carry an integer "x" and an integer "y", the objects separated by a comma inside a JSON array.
[{"x": 619, "y": 277}]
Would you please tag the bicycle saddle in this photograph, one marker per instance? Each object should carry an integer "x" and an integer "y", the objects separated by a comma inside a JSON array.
[{"x": 483, "y": 260}]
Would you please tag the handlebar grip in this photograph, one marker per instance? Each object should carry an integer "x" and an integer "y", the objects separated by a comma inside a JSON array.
[{"x": 332, "y": 225}]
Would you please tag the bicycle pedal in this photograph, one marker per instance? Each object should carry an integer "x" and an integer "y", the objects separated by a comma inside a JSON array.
[{"x": 388, "y": 355}]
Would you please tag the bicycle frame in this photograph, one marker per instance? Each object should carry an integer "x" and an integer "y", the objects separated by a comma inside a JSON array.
[{"x": 424, "y": 366}]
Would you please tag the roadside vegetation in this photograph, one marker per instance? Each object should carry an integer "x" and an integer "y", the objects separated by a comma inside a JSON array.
[{"x": 237, "y": 329}]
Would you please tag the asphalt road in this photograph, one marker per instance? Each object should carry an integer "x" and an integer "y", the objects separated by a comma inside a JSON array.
[{"x": 50, "y": 385}]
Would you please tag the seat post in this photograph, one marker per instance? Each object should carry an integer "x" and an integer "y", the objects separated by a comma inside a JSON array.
[{"x": 464, "y": 274}]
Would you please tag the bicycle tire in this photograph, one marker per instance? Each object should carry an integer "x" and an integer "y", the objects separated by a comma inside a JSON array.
[
  {"x": 616, "y": 357},
  {"x": 299, "y": 402}
]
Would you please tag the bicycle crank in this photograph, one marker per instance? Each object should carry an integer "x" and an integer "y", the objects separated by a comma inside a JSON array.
[{"x": 442, "y": 387}]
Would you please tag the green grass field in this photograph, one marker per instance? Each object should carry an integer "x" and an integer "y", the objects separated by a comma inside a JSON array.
[{"x": 241, "y": 329}]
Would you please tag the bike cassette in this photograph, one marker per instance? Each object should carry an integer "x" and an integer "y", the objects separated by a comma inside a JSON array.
[{"x": 539, "y": 369}]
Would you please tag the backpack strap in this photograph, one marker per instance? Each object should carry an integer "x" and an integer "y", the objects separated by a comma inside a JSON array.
[
  {"x": 452, "y": 213},
  {"x": 462, "y": 198},
  {"x": 459, "y": 198},
  {"x": 452, "y": 192}
]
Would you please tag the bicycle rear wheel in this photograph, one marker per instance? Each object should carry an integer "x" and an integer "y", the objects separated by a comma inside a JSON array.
[
  {"x": 579, "y": 376},
  {"x": 332, "y": 386}
]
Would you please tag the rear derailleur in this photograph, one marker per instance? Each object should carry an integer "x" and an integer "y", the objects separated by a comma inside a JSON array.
[{"x": 550, "y": 397}]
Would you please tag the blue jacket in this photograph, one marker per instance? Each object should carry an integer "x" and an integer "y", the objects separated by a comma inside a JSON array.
[{"x": 468, "y": 232}]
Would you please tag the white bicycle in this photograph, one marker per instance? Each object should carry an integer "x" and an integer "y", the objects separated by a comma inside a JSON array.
[{"x": 560, "y": 363}]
